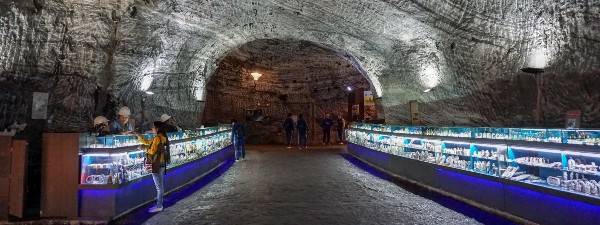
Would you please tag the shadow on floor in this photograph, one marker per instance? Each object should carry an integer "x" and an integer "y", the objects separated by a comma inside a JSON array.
[
  {"x": 141, "y": 215},
  {"x": 456, "y": 205}
]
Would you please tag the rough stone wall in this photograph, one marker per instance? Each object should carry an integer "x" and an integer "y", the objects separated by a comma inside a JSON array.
[
  {"x": 458, "y": 48},
  {"x": 298, "y": 77}
]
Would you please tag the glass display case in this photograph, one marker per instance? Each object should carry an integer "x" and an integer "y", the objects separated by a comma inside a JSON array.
[
  {"x": 562, "y": 169},
  {"x": 558, "y": 136},
  {"x": 581, "y": 137},
  {"x": 119, "y": 159},
  {"x": 497, "y": 133},
  {"x": 448, "y": 131}
]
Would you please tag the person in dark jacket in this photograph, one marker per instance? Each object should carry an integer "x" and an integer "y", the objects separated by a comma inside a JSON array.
[
  {"x": 340, "y": 124},
  {"x": 302, "y": 127},
  {"x": 288, "y": 127},
  {"x": 326, "y": 125},
  {"x": 237, "y": 137}
]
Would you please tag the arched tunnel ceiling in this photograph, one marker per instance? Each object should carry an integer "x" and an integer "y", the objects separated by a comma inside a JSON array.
[
  {"x": 289, "y": 67},
  {"x": 461, "y": 48},
  {"x": 298, "y": 77}
]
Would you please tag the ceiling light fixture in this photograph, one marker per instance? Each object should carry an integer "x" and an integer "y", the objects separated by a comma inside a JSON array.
[
  {"x": 427, "y": 90},
  {"x": 256, "y": 76},
  {"x": 348, "y": 88},
  {"x": 149, "y": 92}
]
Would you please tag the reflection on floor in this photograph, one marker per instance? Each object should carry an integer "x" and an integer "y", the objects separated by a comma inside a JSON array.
[{"x": 323, "y": 185}]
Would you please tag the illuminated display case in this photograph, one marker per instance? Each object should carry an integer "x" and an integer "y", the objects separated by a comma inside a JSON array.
[
  {"x": 102, "y": 178},
  {"x": 555, "y": 166},
  {"x": 564, "y": 136},
  {"x": 119, "y": 159}
]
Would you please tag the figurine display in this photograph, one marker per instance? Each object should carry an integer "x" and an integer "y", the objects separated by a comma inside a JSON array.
[
  {"x": 127, "y": 165},
  {"x": 553, "y": 167}
]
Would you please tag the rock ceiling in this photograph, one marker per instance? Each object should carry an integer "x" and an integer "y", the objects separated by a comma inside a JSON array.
[{"x": 464, "y": 51}]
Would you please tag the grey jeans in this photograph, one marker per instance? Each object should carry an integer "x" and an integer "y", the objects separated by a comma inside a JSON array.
[{"x": 159, "y": 182}]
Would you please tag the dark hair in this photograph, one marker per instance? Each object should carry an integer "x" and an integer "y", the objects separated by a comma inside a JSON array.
[
  {"x": 289, "y": 114},
  {"x": 300, "y": 116},
  {"x": 160, "y": 128},
  {"x": 233, "y": 121}
]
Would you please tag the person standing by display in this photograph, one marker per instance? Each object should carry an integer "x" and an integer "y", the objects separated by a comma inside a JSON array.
[
  {"x": 288, "y": 127},
  {"x": 237, "y": 137},
  {"x": 302, "y": 127},
  {"x": 170, "y": 123},
  {"x": 156, "y": 159},
  {"x": 340, "y": 124},
  {"x": 101, "y": 127},
  {"x": 326, "y": 125},
  {"x": 124, "y": 124}
]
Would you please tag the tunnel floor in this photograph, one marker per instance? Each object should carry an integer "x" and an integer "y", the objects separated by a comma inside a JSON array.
[{"x": 275, "y": 185}]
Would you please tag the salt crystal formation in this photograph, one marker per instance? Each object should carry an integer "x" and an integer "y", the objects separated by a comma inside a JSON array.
[{"x": 467, "y": 54}]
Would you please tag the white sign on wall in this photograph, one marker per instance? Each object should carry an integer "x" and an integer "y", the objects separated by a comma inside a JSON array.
[{"x": 39, "y": 108}]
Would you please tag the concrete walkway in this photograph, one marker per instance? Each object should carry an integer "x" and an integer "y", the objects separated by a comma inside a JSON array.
[{"x": 275, "y": 185}]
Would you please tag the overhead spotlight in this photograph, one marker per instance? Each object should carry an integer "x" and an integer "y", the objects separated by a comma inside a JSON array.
[
  {"x": 149, "y": 92},
  {"x": 256, "y": 75}
]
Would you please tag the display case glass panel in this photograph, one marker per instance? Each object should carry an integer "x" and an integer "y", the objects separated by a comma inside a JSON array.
[
  {"x": 553, "y": 166},
  {"x": 581, "y": 137},
  {"x": 568, "y": 171},
  {"x": 497, "y": 133},
  {"x": 110, "y": 163},
  {"x": 448, "y": 131},
  {"x": 527, "y": 134},
  {"x": 108, "y": 168}
]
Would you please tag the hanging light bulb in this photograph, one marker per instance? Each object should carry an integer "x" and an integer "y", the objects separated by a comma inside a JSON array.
[{"x": 256, "y": 75}]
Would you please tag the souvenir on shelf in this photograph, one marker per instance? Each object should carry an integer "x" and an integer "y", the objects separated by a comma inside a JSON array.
[
  {"x": 123, "y": 165},
  {"x": 559, "y": 168},
  {"x": 581, "y": 137},
  {"x": 564, "y": 136}
]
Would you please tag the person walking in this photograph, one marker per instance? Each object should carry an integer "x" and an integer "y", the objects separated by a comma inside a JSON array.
[
  {"x": 237, "y": 137},
  {"x": 340, "y": 125},
  {"x": 288, "y": 127},
  {"x": 326, "y": 125},
  {"x": 302, "y": 127},
  {"x": 156, "y": 160}
]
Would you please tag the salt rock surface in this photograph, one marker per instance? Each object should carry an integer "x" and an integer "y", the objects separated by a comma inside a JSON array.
[{"x": 467, "y": 53}]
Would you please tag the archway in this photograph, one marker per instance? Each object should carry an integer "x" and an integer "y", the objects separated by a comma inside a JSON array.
[{"x": 298, "y": 77}]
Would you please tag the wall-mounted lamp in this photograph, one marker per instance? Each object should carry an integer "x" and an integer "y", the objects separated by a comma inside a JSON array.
[
  {"x": 536, "y": 67},
  {"x": 256, "y": 76}
]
